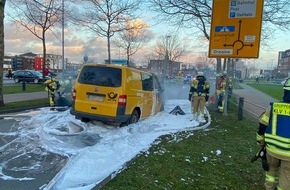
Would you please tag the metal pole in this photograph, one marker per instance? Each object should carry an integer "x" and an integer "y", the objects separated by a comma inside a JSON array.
[
  {"x": 62, "y": 36},
  {"x": 241, "y": 107},
  {"x": 227, "y": 89}
]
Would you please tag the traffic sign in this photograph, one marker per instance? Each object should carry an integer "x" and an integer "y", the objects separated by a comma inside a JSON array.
[{"x": 236, "y": 28}]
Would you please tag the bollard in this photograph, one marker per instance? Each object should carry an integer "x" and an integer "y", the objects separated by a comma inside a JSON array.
[
  {"x": 241, "y": 108},
  {"x": 23, "y": 85}
]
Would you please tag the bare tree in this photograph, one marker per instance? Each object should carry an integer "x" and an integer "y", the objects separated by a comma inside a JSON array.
[
  {"x": 203, "y": 62},
  {"x": 172, "y": 44},
  {"x": 38, "y": 17},
  {"x": 2, "y": 7},
  {"x": 131, "y": 40},
  {"x": 197, "y": 14},
  {"x": 105, "y": 18}
]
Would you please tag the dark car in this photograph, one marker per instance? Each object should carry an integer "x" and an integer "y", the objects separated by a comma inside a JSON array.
[{"x": 28, "y": 76}]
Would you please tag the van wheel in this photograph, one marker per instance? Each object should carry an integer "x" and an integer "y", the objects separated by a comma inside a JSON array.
[
  {"x": 134, "y": 117},
  {"x": 85, "y": 120}
]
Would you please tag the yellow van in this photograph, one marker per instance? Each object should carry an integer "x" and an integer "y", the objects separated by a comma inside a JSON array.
[{"x": 115, "y": 95}]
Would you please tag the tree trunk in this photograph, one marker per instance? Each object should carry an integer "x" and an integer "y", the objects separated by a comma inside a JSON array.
[
  {"x": 2, "y": 6},
  {"x": 109, "y": 50},
  {"x": 128, "y": 57},
  {"x": 44, "y": 54}
]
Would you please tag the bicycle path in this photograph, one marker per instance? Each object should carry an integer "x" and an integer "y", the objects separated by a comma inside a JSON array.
[
  {"x": 8, "y": 98},
  {"x": 255, "y": 101}
]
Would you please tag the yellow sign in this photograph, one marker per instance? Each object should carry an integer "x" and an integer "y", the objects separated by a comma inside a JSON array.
[{"x": 236, "y": 28}]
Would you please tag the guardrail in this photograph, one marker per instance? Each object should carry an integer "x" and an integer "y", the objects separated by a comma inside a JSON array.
[{"x": 249, "y": 108}]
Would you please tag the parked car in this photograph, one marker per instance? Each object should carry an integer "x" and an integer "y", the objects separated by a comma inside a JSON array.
[
  {"x": 28, "y": 76},
  {"x": 115, "y": 95}
]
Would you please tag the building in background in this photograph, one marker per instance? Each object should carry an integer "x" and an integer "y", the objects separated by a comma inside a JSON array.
[
  {"x": 7, "y": 63},
  {"x": 283, "y": 67},
  {"x": 156, "y": 66}
]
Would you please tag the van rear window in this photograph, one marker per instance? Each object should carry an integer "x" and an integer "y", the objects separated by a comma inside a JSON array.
[{"x": 101, "y": 76}]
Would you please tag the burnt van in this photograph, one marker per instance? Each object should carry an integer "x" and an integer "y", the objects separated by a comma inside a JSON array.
[{"x": 116, "y": 95}]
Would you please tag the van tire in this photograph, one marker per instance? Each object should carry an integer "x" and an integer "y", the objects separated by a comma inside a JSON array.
[
  {"x": 134, "y": 117},
  {"x": 85, "y": 120}
]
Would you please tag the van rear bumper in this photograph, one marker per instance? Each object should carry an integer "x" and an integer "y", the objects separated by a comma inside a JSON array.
[{"x": 106, "y": 119}]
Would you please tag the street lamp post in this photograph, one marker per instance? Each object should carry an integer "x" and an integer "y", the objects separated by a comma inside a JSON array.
[{"x": 62, "y": 36}]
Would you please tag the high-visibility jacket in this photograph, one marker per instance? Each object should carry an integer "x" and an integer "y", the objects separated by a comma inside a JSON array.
[
  {"x": 194, "y": 87},
  {"x": 223, "y": 85},
  {"x": 52, "y": 85},
  {"x": 275, "y": 130}
]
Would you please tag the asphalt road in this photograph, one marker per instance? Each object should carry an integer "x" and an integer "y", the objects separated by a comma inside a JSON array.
[{"x": 23, "y": 160}]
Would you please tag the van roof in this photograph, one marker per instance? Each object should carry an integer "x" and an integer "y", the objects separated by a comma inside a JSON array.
[{"x": 117, "y": 66}]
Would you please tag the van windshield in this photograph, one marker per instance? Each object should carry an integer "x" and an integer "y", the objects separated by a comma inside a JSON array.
[{"x": 101, "y": 76}]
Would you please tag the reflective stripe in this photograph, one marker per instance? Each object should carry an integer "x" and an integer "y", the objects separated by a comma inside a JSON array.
[
  {"x": 274, "y": 124},
  {"x": 278, "y": 151},
  {"x": 278, "y": 143},
  {"x": 278, "y": 138},
  {"x": 271, "y": 179},
  {"x": 260, "y": 137},
  {"x": 265, "y": 118},
  {"x": 278, "y": 188}
]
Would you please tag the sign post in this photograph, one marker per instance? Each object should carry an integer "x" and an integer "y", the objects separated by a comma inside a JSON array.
[{"x": 236, "y": 28}]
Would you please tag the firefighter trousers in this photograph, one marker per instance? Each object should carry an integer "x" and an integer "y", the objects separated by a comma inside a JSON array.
[
  {"x": 278, "y": 176},
  {"x": 198, "y": 104}
]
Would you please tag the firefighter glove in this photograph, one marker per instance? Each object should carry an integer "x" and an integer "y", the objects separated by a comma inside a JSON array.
[
  {"x": 189, "y": 97},
  {"x": 260, "y": 140}
]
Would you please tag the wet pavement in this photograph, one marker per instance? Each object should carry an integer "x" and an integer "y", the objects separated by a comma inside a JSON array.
[{"x": 24, "y": 163}]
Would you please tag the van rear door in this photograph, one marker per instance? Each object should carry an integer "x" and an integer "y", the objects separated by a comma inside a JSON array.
[{"x": 98, "y": 88}]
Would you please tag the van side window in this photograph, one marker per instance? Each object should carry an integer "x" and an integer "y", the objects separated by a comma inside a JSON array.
[{"x": 147, "y": 82}]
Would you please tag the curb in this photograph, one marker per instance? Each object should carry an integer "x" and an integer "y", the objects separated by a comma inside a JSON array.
[{"x": 22, "y": 109}]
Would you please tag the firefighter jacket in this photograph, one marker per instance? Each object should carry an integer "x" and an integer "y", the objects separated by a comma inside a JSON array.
[
  {"x": 199, "y": 87},
  {"x": 274, "y": 130},
  {"x": 52, "y": 85},
  {"x": 223, "y": 85}
]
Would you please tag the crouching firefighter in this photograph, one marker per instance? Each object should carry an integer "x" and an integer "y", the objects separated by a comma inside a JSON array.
[
  {"x": 52, "y": 86},
  {"x": 274, "y": 134}
]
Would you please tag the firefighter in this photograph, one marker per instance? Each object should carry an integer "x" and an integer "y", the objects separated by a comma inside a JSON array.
[
  {"x": 52, "y": 86},
  {"x": 221, "y": 90},
  {"x": 198, "y": 95},
  {"x": 274, "y": 134}
]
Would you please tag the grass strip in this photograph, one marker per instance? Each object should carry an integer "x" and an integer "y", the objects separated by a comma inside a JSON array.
[
  {"x": 273, "y": 90},
  {"x": 14, "y": 89},
  {"x": 215, "y": 158},
  {"x": 24, "y": 104}
]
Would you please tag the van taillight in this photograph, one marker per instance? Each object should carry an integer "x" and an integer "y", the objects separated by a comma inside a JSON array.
[
  {"x": 122, "y": 100},
  {"x": 74, "y": 93}
]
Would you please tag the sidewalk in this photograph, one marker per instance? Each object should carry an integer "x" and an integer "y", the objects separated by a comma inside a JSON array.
[
  {"x": 254, "y": 101},
  {"x": 24, "y": 96}
]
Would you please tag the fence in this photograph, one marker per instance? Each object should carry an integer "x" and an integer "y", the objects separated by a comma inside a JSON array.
[{"x": 249, "y": 107}]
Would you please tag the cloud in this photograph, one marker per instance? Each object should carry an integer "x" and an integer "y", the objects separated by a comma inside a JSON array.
[{"x": 18, "y": 40}]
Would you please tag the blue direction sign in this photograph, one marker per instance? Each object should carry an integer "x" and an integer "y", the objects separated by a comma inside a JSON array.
[{"x": 224, "y": 28}]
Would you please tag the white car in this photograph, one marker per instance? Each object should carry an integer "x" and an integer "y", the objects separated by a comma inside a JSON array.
[{"x": 283, "y": 81}]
